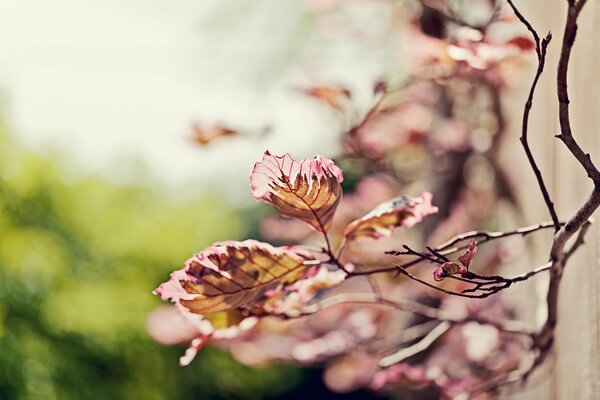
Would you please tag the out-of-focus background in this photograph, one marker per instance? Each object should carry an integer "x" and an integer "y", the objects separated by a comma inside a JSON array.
[
  {"x": 115, "y": 85},
  {"x": 102, "y": 193}
]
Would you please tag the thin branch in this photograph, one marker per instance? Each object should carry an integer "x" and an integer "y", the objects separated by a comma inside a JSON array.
[
  {"x": 482, "y": 237},
  {"x": 410, "y": 251},
  {"x": 447, "y": 247},
  {"x": 437, "y": 254},
  {"x": 580, "y": 240},
  {"x": 416, "y": 348},
  {"x": 566, "y": 134},
  {"x": 494, "y": 384},
  {"x": 540, "y": 48},
  {"x": 489, "y": 288},
  {"x": 528, "y": 25},
  {"x": 372, "y": 298},
  {"x": 404, "y": 336},
  {"x": 403, "y": 271},
  {"x": 508, "y": 326}
]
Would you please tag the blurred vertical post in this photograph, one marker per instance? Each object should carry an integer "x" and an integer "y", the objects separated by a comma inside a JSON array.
[
  {"x": 577, "y": 371},
  {"x": 574, "y": 370}
]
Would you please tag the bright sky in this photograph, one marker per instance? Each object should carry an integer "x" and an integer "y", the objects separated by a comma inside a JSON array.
[{"x": 110, "y": 81}]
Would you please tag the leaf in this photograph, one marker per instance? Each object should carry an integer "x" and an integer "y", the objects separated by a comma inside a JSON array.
[
  {"x": 291, "y": 301},
  {"x": 221, "y": 325},
  {"x": 308, "y": 190},
  {"x": 456, "y": 267},
  {"x": 205, "y": 135},
  {"x": 333, "y": 96},
  {"x": 232, "y": 274},
  {"x": 399, "y": 212},
  {"x": 192, "y": 350},
  {"x": 466, "y": 257},
  {"x": 448, "y": 269},
  {"x": 522, "y": 42}
]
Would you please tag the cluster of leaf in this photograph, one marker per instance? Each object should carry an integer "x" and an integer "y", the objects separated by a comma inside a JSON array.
[
  {"x": 438, "y": 130},
  {"x": 221, "y": 289}
]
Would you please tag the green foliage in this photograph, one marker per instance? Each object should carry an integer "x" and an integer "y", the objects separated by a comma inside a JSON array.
[{"x": 78, "y": 262}]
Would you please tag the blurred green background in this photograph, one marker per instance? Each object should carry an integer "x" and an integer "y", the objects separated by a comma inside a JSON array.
[
  {"x": 81, "y": 254},
  {"x": 78, "y": 262}
]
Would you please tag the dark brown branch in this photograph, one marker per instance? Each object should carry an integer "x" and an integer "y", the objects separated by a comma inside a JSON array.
[
  {"x": 566, "y": 134},
  {"x": 482, "y": 237},
  {"x": 580, "y": 240},
  {"x": 449, "y": 247},
  {"x": 540, "y": 48},
  {"x": 488, "y": 288}
]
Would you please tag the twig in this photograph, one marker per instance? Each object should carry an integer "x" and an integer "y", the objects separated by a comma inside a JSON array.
[
  {"x": 482, "y": 237},
  {"x": 580, "y": 240},
  {"x": 493, "y": 285},
  {"x": 404, "y": 336},
  {"x": 416, "y": 348},
  {"x": 540, "y": 48},
  {"x": 508, "y": 326},
  {"x": 371, "y": 298},
  {"x": 447, "y": 247},
  {"x": 566, "y": 134}
]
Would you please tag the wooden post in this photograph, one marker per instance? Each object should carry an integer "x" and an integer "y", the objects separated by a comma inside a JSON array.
[
  {"x": 574, "y": 369},
  {"x": 577, "y": 369}
]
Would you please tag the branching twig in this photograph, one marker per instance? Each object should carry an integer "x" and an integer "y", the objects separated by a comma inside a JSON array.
[
  {"x": 579, "y": 241},
  {"x": 579, "y": 222},
  {"x": 540, "y": 48},
  {"x": 416, "y": 348},
  {"x": 508, "y": 326},
  {"x": 566, "y": 134},
  {"x": 488, "y": 288},
  {"x": 482, "y": 237}
]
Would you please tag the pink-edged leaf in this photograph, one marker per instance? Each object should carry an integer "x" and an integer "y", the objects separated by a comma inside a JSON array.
[
  {"x": 308, "y": 190},
  {"x": 222, "y": 325},
  {"x": 460, "y": 267},
  {"x": 448, "y": 269},
  {"x": 399, "y": 212},
  {"x": 190, "y": 352},
  {"x": 466, "y": 257},
  {"x": 232, "y": 274},
  {"x": 296, "y": 296}
]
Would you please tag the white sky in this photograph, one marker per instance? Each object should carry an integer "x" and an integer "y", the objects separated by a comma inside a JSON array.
[{"x": 110, "y": 81}]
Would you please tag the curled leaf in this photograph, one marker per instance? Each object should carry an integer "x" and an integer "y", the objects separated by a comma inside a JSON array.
[
  {"x": 466, "y": 257},
  {"x": 399, "y": 212},
  {"x": 308, "y": 190},
  {"x": 232, "y": 274},
  {"x": 460, "y": 267},
  {"x": 448, "y": 269}
]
